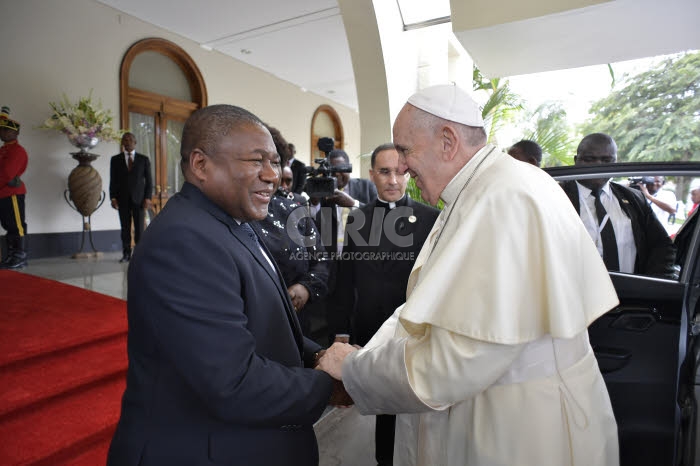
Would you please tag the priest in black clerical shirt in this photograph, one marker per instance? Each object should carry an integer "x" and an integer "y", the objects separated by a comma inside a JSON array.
[{"x": 383, "y": 239}]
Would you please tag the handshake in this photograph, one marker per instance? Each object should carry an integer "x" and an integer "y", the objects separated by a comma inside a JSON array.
[{"x": 331, "y": 361}]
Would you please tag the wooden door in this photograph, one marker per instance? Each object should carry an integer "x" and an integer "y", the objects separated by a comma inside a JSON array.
[{"x": 157, "y": 121}]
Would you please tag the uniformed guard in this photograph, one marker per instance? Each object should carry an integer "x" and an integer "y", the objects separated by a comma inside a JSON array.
[{"x": 13, "y": 163}]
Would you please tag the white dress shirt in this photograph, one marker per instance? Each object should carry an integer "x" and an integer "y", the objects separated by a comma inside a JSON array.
[{"x": 622, "y": 225}]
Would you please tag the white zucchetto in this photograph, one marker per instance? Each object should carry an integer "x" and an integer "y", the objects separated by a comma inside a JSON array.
[{"x": 448, "y": 102}]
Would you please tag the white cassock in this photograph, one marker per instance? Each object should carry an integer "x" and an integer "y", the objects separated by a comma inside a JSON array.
[{"x": 488, "y": 362}]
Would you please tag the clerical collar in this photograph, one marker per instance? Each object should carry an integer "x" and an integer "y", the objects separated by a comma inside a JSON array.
[{"x": 389, "y": 205}]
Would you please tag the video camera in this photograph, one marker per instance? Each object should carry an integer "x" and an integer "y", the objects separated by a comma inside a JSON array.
[
  {"x": 321, "y": 182},
  {"x": 636, "y": 181}
]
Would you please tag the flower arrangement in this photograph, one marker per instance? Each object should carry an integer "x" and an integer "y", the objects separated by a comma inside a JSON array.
[{"x": 84, "y": 122}]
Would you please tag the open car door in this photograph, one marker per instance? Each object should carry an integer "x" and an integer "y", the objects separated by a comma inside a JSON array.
[{"x": 647, "y": 346}]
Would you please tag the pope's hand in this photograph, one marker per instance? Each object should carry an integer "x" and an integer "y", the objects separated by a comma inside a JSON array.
[{"x": 332, "y": 360}]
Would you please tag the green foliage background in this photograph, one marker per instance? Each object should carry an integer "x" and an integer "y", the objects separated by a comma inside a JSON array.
[{"x": 655, "y": 115}]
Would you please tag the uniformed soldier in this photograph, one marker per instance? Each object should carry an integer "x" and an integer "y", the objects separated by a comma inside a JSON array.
[{"x": 13, "y": 163}]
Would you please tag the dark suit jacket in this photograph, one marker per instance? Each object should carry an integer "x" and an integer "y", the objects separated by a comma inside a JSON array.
[
  {"x": 298, "y": 176},
  {"x": 215, "y": 351},
  {"x": 655, "y": 251},
  {"x": 130, "y": 186},
  {"x": 370, "y": 287}
]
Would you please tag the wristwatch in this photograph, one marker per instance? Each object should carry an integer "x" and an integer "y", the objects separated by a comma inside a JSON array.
[{"x": 317, "y": 356}]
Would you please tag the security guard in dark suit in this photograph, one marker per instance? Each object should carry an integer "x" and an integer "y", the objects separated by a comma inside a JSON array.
[
  {"x": 130, "y": 189},
  {"x": 654, "y": 251},
  {"x": 299, "y": 171},
  {"x": 383, "y": 239}
]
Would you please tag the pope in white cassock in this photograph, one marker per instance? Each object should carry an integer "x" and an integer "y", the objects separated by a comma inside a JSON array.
[{"x": 488, "y": 362}]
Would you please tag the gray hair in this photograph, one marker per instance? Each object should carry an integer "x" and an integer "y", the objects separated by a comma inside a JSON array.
[{"x": 473, "y": 136}]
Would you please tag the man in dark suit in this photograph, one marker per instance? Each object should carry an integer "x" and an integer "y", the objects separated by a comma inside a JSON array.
[
  {"x": 619, "y": 217},
  {"x": 130, "y": 189},
  {"x": 526, "y": 151},
  {"x": 219, "y": 372},
  {"x": 298, "y": 171},
  {"x": 331, "y": 215},
  {"x": 384, "y": 238}
]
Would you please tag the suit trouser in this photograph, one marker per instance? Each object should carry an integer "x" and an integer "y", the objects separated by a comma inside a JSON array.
[
  {"x": 129, "y": 211},
  {"x": 384, "y": 439}
]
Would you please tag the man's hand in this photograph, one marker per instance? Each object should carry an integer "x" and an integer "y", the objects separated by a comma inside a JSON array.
[
  {"x": 342, "y": 199},
  {"x": 299, "y": 295},
  {"x": 115, "y": 204},
  {"x": 146, "y": 204},
  {"x": 332, "y": 360},
  {"x": 340, "y": 397},
  {"x": 644, "y": 190}
]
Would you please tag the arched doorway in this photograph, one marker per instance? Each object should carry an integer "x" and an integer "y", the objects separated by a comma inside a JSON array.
[
  {"x": 325, "y": 123},
  {"x": 160, "y": 87}
]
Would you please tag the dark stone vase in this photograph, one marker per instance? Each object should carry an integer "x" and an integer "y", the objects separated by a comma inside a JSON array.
[{"x": 85, "y": 184}]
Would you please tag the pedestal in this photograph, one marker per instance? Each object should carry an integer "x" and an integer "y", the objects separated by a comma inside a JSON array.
[{"x": 85, "y": 196}]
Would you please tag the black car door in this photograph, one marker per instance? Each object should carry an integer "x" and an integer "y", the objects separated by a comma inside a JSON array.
[{"x": 646, "y": 346}]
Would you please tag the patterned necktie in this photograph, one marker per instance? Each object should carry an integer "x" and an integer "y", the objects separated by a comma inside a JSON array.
[
  {"x": 130, "y": 165},
  {"x": 251, "y": 235},
  {"x": 255, "y": 243},
  {"x": 607, "y": 235},
  {"x": 291, "y": 315}
]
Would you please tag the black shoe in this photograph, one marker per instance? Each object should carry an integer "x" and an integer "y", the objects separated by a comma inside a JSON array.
[
  {"x": 125, "y": 258},
  {"x": 14, "y": 263}
]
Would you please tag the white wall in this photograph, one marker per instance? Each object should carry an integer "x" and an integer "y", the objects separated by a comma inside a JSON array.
[{"x": 72, "y": 46}]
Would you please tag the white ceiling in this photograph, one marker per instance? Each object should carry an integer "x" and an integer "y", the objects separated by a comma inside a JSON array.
[
  {"x": 304, "y": 42},
  {"x": 609, "y": 32},
  {"x": 299, "y": 41}
]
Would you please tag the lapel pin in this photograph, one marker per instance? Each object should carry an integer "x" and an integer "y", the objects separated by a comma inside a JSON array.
[{"x": 412, "y": 219}]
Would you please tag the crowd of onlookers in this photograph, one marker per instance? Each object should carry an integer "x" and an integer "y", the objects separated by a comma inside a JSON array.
[{"x": 661, "y": 196}]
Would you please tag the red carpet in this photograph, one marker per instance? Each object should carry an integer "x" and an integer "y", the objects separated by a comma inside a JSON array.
[{"x": 62, "y": 372}]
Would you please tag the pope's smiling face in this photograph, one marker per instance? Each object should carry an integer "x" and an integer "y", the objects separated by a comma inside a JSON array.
[{"x": 419, "y": 148}]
